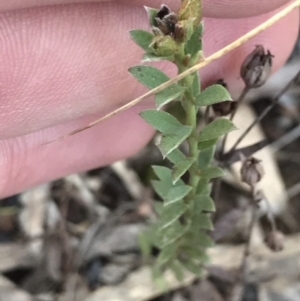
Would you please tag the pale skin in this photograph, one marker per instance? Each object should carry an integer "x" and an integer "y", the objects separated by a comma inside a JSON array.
[{"x": 65, "y": 65}]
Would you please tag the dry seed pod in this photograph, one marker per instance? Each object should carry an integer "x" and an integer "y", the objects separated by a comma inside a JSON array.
[
  {"x": 252, "y": 171},
  {"x": 256, "y": 68},
  {"x": 275, "y": 241}
]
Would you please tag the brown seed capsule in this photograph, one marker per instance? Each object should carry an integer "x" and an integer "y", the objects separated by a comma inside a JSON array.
[
  {"x": 224, "y": 108},
  {"x": 252, "y": 171},
  {"x": 275, "y": 241},
  {"x": 256, "y": 68}
]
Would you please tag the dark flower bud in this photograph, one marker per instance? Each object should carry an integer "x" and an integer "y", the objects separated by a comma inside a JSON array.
[
  {"x": 166, "y": 20},
  {"x": 256, "y": 68},
  {"x": 275, "y": 241},
  {"x": 224, "y": 108},
  {"x": 252, "y": 171},
  {"x": 164, "y": 11}
]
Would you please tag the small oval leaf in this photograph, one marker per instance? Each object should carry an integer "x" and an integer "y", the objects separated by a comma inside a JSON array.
[
  {"x": 171, "y": 234},
  {"x": 194, "y": 44},
  {"x": 177, "y": 194},
  {"x": 142, "y": 38},
  {"x": 212, "y": 94},
  {"x": 205, "y": 157},
  {"x": 161, "y": 188},
  {"x": 172, "y": 213},
  {"x": 165, "y": 96},
  {"x": 163, "y": 173},
  {"x": 170, "y": 142},
  {"x": 181, "y": 164},
  {"x": 152, "y": 12},
  {"x": 216, "y": 129},
  {"x": 204, "y": 203},
  {"x": 212, "y": 172},
  {"x": 149, "y": 76},
  {"x": 203, "y": 145},
  {"x": 165, "y": 122}
]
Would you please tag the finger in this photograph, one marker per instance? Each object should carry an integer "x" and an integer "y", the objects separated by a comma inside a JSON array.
[
  {"x": 212, "y": 8},
  {"x": 26, "y": 161},
  {"x": 223, "y": 8},
  {"x": 72, "y": 61}
]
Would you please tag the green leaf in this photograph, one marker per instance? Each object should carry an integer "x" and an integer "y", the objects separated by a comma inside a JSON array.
[
  {"x": 204, "y": 203},
  {"x": 203, "y": 187},
  {"x": 190, "y": 10},
  {"x": 145, "y": 243},
  {"x": 152, "y": 12},
  {"x": 176, "y": 110},
  {"x": 149, "y": 76},
  {"x": 205, "y": 157},
  {"x": 211, "y": 95},
  {"x": 181, "y": 164},
  {"x": 216, "y": 129},
  {"x": 212, "y": 172},
  {"x": 161, "y": 188},
  {"x": 194, "y": 44},
  {"x": 171, "y": 234},
  {"x": 149, "y": 57},
  {"x": 180, "y": 168},
  {"x": 177, "y": 268},
  {"x": 158, "y": 207},
  {"x": 170, "y": 93},
  {"x": 169, "y": 142},
  {"x": 142, "y": 38},
  {"x": 177, "y": 194},
  {"x": 165, "y": 123},
  {"x": 194, "y": 252},
  {"x": 203, "y": 221},
  {"x": 193, "y": 267},
  {"x": 166, "y": 255},
  {"x": 164, "y": 186},
  {"x": 206, "y": 144},
  {"x": 174, "y": 133},
  {"x": 176, "y": 156},
  {"x": 152, "y": 77},
  {"x": 159, "y": 279},
  {"x": 163, "y": 173},
  {"x": 199, "y": 238},
  {"x": 172, "y": 213}
]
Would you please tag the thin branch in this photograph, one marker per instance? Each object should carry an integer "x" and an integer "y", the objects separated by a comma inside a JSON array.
[
  {"x": 286, "y": 139},
  {"x": 247, "y": 245},
  {"x": 195, "y": 68},
  {"x": 265, "y": 112}
]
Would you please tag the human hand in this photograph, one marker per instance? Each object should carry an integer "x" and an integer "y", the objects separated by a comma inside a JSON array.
[{"x": 63, "y": 66}]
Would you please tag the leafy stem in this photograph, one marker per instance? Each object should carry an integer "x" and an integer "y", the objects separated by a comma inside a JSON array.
[{"x": 183, "y": 217}]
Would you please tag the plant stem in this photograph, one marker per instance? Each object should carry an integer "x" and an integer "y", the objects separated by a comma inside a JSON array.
[
  {"x": 189, "y": 106},
  {"x": 191, "y": 120},
  {"x": 239, "y": 101}
]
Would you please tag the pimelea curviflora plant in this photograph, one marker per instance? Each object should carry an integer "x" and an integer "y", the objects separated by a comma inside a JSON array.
[{"x": 184, "y": 216}]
